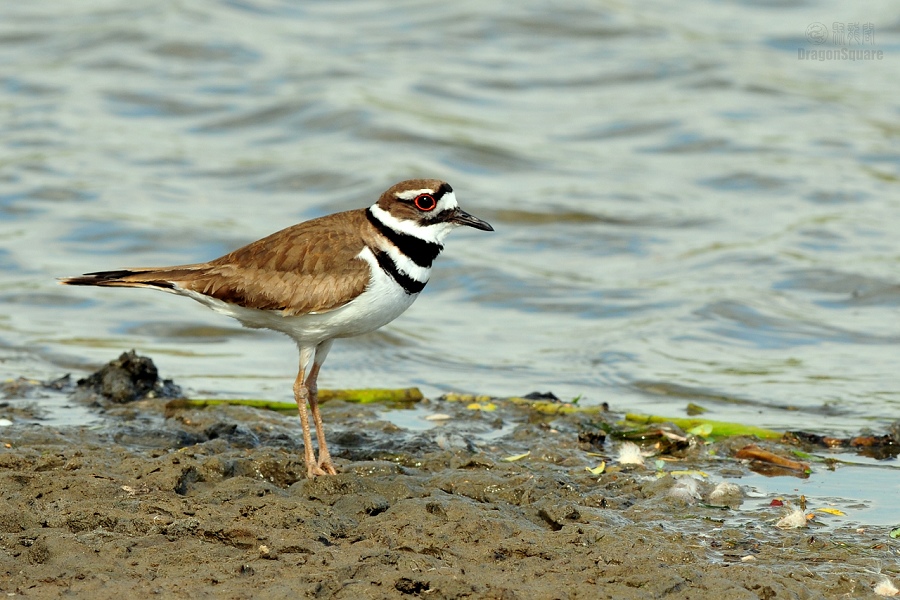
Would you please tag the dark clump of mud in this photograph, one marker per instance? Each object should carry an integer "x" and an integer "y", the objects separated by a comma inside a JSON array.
[
  {"x": 492, "y": 501},
  {"x": 126, "y": 379}
]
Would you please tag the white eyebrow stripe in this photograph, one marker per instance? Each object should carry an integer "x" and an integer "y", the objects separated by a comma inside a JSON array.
[{"x": 410, "y": 194}]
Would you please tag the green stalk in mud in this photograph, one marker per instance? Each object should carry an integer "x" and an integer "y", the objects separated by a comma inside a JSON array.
[
  {"x": 359, "y": 396},
  {"x": 709, "y": 428}
]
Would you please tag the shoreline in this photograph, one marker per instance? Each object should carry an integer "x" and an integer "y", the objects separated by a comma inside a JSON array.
[{"x": 213, "y": 502}]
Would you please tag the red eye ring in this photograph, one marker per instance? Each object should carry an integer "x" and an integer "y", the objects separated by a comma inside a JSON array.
[{"x": 425, "y": 202}]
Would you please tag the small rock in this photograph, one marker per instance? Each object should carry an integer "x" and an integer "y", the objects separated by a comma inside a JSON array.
[
  {"x": 541, "y": 396},
  {"x": 128, "y": 378}
]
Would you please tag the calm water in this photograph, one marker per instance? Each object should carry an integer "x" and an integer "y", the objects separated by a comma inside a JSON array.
[{"x": 685, "y": 209}]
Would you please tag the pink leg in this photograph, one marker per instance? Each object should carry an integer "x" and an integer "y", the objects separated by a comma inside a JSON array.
[
  {"x": 302, "y": 394},
  {"x": 312, "y": 384}
]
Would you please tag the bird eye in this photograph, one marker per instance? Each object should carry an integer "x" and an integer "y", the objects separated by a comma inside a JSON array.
[{"x": 425, "y": 202}]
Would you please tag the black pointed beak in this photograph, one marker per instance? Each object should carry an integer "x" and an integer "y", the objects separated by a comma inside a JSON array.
[{"x": 461, "y": 217}]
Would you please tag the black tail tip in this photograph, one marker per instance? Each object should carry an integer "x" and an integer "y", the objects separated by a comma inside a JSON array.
[{"x": 98, "y": 278}]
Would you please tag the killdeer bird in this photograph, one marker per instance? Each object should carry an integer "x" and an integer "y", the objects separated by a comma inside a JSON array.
[{"x": 336, "y": 276}]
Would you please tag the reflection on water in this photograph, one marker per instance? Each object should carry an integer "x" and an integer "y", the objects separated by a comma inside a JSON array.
[
  {"x": 849, "y": 488},
  {"x": 684, "y": 211}
]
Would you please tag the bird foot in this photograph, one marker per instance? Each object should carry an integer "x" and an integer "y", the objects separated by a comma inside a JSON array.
[
  {"x": 323, "y": 467},
  {"x": 326, "y": 465},
  {"x": 313, "y": 470}
]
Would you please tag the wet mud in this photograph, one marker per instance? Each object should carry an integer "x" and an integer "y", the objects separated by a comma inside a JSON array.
[{"x": 476, "y": 501}]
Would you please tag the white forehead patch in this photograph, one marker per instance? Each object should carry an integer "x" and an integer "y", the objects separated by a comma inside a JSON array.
[
  {"x": 410, "y": 194},
  {"x": 447, "y": 202}
]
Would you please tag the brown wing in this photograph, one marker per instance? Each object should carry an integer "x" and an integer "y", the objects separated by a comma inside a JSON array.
[{"x": 310, "y": 267}]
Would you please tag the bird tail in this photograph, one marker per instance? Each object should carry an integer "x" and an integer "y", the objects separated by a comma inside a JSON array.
[{"x": 161, "y": 279}]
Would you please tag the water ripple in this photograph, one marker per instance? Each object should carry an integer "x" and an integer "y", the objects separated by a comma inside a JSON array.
[{"x": 682, "y": 207}]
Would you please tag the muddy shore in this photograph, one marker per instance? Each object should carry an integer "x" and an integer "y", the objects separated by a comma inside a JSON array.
[{"x": 213, "y": 503}]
